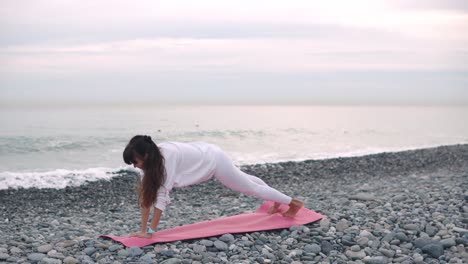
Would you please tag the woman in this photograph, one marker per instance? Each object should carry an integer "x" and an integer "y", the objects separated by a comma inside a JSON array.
[{"x": 176, "y": 164}]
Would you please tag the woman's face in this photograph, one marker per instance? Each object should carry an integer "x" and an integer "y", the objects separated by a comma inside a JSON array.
[{"x": 138, "y": 163}]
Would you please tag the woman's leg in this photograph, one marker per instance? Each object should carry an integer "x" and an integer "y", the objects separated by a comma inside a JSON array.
[
  {"x": 257, "y": 180},
  {"x": 276, "y": 206},
  {"x": 232, "y": 177}
]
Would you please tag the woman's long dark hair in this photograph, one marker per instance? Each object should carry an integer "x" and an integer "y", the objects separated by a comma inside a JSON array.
[{"x": 153, "y": 167}]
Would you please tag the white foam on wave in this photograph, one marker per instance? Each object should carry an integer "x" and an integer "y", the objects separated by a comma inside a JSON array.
[
  {"x": 262, "y": 158},
  {"x": 59, "y": 178}
]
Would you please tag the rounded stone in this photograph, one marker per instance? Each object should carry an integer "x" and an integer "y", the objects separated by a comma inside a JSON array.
[
  {"x": 44, "y": 248},
  {"x": 135, "y": 251},
  {"x": 434, "y": 250},
  {"x": 114, "y": 248},
  {"x": 326, "y": 247},
  {"x": 171, "y": 261},
  {"x": 355, "y": 248},
  {"x": 325, "y": 224},
  {"x": 50, "y": 261},
  {"x": 220, "y": 245},
  {"x": 313, "y": 248},
  {"x": 289, "y": 241},
  {"x": 363, "y": 241},
  {"x": 417, "y": 257},
  {"x": 413, "y": 227},
  {"x": 206, "y": 243},
  {"x": 36, "y": 256},
  {"x": 16, "y": 250},
  {"x": 375, "y": 260},
  {"x": 89, "y": 251},
  {"x": 167, "y": 253},
  {"x": 449, "y": 242},
  {"x": 70, "y": 260},
  {"x": 122, "y": 253},
  {"x": 355, "y": 255},
  {"x": 342, "y": 225},
  {"x": 4, "y": 256},
  {"x": 199, "y": 249},
  {"x": 227, "y": 238},
  {"x": 66, "y": 244}
]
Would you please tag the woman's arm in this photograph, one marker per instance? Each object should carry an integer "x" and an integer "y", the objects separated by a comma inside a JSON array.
[
  {"x": 144, "y": 223},
  {"x": 156, "y": 217},
  {"x": 144, "y": 218}
]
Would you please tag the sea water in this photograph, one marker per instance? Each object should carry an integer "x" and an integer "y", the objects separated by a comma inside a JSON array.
[{"x": 58, "y": 145}]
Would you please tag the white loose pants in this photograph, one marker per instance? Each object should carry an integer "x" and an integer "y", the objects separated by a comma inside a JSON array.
[{"x": 232, "y": 177}]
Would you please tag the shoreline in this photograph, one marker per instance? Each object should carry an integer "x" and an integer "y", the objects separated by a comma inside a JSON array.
[
  {"x": 381, "y": 208},
  {"x": 354, "y": 154}
]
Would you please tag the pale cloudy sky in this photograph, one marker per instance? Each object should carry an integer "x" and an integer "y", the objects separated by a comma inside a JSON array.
[{"x": 396, "y": 51}]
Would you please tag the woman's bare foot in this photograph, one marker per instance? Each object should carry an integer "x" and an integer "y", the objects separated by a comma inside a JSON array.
[
  {"x": 274, "y": 208},
  {"x": 294, "y": 207}
]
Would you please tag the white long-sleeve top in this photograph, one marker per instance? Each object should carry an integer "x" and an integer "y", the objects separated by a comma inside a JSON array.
[{"x": 186, "y": 164}]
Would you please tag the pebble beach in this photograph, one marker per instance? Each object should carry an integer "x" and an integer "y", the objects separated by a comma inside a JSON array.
[{"x": 400, "y": 207}]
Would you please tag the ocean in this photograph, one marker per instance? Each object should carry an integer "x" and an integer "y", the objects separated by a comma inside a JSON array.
[{"x": 54, "y": 146}]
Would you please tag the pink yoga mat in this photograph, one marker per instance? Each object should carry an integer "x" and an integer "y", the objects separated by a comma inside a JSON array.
[{"x": 243, "y": 223}]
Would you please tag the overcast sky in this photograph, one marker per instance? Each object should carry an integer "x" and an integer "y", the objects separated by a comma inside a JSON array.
[{"x": 396, "y": 51}]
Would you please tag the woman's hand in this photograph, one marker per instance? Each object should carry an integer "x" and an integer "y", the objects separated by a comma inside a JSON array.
[{"x": 142, "y": 235}]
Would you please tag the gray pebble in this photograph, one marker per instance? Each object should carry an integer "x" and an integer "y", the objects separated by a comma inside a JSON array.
[
  {"x": 325, "y": 224},
  {"x": 220, "y": 245},
  {"x": 4, "y": 256},
  {"x": 36, "y": 256},
  {"x": 375, "y": 260},
  {"x": 51, "y": 261},
  {"x": 134, "y": 251},
  {"x": 355, "y": 255},
  {"x": 171, "y": 261},
  {"x": 355, "y": 248},
  {"x": 413, "y": 227},
  {"x": 430, "y": 230},
  {"x": 312, "y": 248},
  {"x": 421, "y": 242},
  {"x": 89, "y": 250},
  {"x": 387, "y": 252},
  {"x": 434, "y": 250},
  {"x": 449, "y": 242},
  {"x": 460, "y": 230},
  {"x": 199, "y": 248},
  {"x": 399, "y": 198},
  {"x": 70, "y": 260},
  {"x": 417, "y": 257},
  {"x": 461, "y": 241},
  {"x": 55, "y": 254},
  {"x": 342, "y": 225},
  {"x": 363, "y": 241},
  {"x": 206, "y": 243},
  {"x": 168, "y": 253},
  {"x": 16, "y": 250},
  {"x": 401, "y": 236},
  {"x": 289, "y": 241},
  {"x": 122, "y": 253},
  {"x": 227, "y": 238},
  {"x": 44, "y": 248},
  {"x": 284, "y": 233},
  {"x": 147, "y": 259},
  {"x": 363, "y": 197},
  {"x": 114, "y": 248},
  {"x": 326, "y": 247}
]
